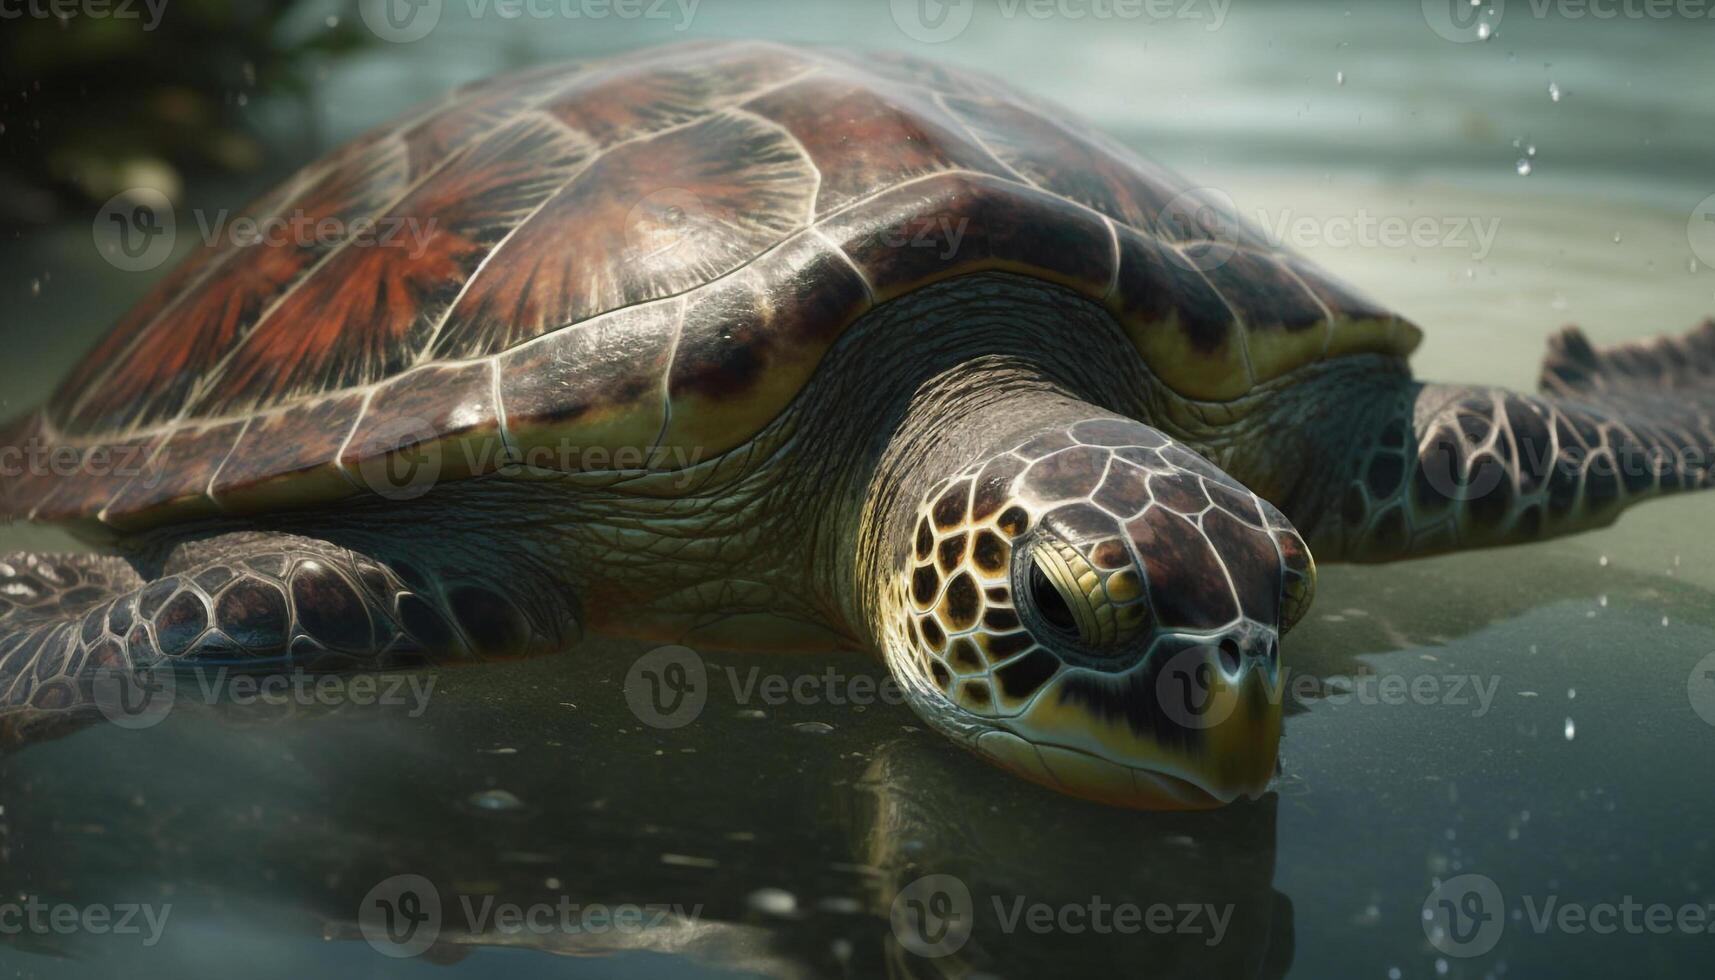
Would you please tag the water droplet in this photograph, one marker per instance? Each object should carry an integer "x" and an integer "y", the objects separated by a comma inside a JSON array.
[
  {"x": 1602, "y": 601},
  {"x": 1616, "y": 238},
  {"x": 1530, "y": 150},
  {"x": 1602, "y": 561},
  {"x": 1664, "y": 621},
  {"x": 1523, "y": 167},
  {"x": 496, "y": 800},
  {"x": 1484, "y": 31},
  {"x": 1572, "y": 694},
  {"x": 1339, "y": 78},
  {"x": 1554, "y": 91},
  {"x": 1571, "y": 729},
  {"x": 814, "y": 727},
  {"x": 333, "y": 21},
  {"x": 773, "y": 901}
]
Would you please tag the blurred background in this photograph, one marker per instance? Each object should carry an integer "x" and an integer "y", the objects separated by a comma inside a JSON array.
[{"x": 1493, "y": 170}]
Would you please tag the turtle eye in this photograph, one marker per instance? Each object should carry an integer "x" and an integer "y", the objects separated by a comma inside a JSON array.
[{"x": 1049, "y": 603}]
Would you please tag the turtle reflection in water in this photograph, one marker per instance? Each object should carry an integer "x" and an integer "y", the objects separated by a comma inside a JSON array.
[{"x": 744, "y": 346}]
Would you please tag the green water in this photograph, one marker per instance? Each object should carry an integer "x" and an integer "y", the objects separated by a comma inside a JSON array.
[{"x": 1548, "y": 737}]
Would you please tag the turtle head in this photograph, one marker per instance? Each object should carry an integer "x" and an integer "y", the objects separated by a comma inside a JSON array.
[{"x": 1099, "y": 609}]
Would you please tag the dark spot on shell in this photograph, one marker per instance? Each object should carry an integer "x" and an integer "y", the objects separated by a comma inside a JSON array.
[
  {"x": 492, "y": 622},
  {"x": 952, "y": 552},
  {"x": 141, "y": 647},
  {"x": 1013, "y": 521},
  {"x": 1562, "y": 490},
  {"x": 1067, "y": 475},
  {"x": 943, "y": 676},
  {"x": 180, "y": 623},
  {"x": 977, "y": 692},
  {"x": 329, "y": 608},
  {"x": 254, "y": 614},
  {"x": 998, "y": 594},
  {"x": 1110, "y": 554},
  {"x": 925, "y": 585},
  {"x": 1393, "y": 434},
  {"x": 1601, "y": 485},
  {"x": 1006, "y": 645},
  {"x": 990, "y": 553},
  {"x": 962, "y": 604},
  {"x": 1000, "y": 619},
  {"x": 994, "y": 486},
  {"x": 950, "y": 508},
  {"x": 925, "y": 539},
  {"x": 1024, "y": 676},
  {"x": 933, "y": 635},
  {"x": 963, "y": 655},
  {"x": 94, "y": 625}
]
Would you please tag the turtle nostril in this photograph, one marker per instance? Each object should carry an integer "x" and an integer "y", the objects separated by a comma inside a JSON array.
[{"x": 1230, "y": 655}]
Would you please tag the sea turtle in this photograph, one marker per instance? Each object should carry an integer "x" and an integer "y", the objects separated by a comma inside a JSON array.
[{"x": 741, "y": 345}]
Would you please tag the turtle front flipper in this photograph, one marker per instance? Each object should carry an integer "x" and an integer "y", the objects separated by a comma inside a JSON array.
[
  {"x": 85, "y": 634},
  {"x": 1441, "y": 467}
]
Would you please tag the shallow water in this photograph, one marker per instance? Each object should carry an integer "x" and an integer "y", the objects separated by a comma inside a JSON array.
[{"x": 1549, "y": 737}]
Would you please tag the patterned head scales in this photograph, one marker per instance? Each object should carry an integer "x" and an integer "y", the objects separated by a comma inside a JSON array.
[{"x": 1099, "y": 609}]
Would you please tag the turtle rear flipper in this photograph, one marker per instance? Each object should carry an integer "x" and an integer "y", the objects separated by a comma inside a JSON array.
[
  {"x": 237, "y": 604},
  {"x": 1436, "y": 468}
]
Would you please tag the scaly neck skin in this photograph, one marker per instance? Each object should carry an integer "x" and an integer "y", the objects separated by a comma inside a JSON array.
[{"x": 927, "y": 385}]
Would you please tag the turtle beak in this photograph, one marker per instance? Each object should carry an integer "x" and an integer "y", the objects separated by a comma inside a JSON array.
[{"x": 1195, "y": 726}]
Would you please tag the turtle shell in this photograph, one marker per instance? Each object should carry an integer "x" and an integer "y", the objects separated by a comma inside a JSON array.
[{"x": 590, "y": 266}]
